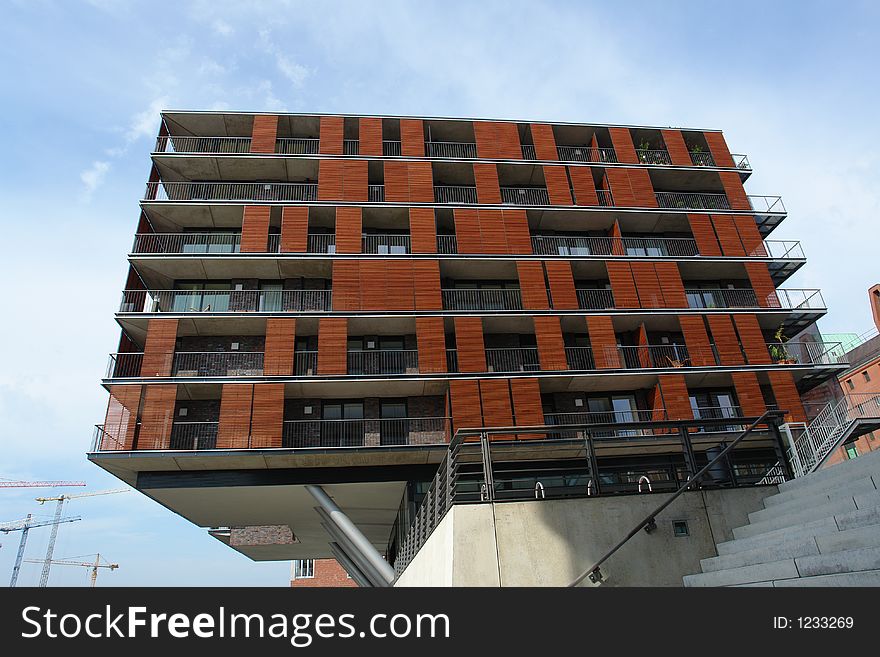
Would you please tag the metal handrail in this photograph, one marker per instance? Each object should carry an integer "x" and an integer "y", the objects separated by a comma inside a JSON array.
[
  {"x": 205, "y": 301},
  {"x": 453, "y": 149},
  {"x": 385, "y": 243},
  {"x": 585, "y": 154},
  {"x": 186, "y": 243},
  {"x": 778, "y": 250},
  {"x": 228, "y": 191},
  {"x": 741, "y": 161},
  {"x": 651, "y": 247},
  {"x": 297, "y": 146},
  {"x": 649, "y": 523},
  {"x": 653, "y": 156},
  {"x": 471, "y": 299},
  {"x": 447, "y": 244},
  {"x": 701, "y": 159},
  {"x": 391, "y": 148},
  {"x": 525, "y": 196},
  {"x": 528, "y": 152},
  {"x": 692, "y": 200},
  {"x": 187, "y": 144},
  {"x": 455, "y": 194},
  {"x": 594, "y": 299}
]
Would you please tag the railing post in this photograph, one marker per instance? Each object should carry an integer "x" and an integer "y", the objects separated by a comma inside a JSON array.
[
  {"x": 594, "y": 463},
  {"x": 688, "y": 451},
  {"x": 779, "y": 449},
  {"x": 488, "y": 479}
]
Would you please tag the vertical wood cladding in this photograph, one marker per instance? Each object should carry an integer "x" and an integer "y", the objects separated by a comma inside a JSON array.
[
  {"x": 631, "y": 188},
  {"x": 533, "y": 289},
  {"x": 120, "y": 422},
  {"x": 718, "y": 149},
  {"x": 159, "y": 347},
  {"x": 263, "y": 133},
  {"x": 733, "y": 188},
  {"x": 346, "y": 285},
  {"x": 527, "y": 408},
  {"x": 748, "y": 393},
  {"x": 236, "y": 403},
  {"x": 787, "y": 396},
  {"x": 330, "y": 135},
  {"x": 621, "y": 139},
  {"x": 464, "y": 397},
  {"x": 332, "y": 345},
  {"x": 561, "y": 280},
  {"x": 762, "y": 283},
  {"x": 349, "y": 228},
  {"x": 544, "y": 141},
  {"x": 583, "y": 185},
  {"x": 278, "y": 356},
  {"x": 426, "y": 274},
  {"x": 697, "y": 340},
  {"x": 557, "y": 185},
  {"x": 267, "y": 417},
  {"x": 497, "y": 140},
  {"x": 623, "y": 286},
  {"x": 492, "y": 231},
  {"x": 157, "y": 416},
  {"x": 469, "y": 344},
  {"x": 495, "y": 398},
  {"x": 749, "y": 235},
  {"x": 603, "y": 341},
  {"x": 370, "y": 136},
  {"x": 468, "y": 237},
  {"x": 423, "y": 230},
  {"x": 728, "y": 236},
  {"x": 752, "y": 339},
  {"x": 676, "y": 400},
  {"x": 726, "y": 342},
  {"x": 551, "y": 346},
  {"x": 294, "y": 229},
  {"x": 486, "y": 179},
  {"x": 671, "y": 284},
  {"x": 342, "y": 180},
  {"x": 431, "y": 343},
  {"x": 407, "y": 182},
  {"x": 647, "y": 285},
  {"x": 516, "y": 230},
  {"x": 704, "y": 234},
  {"x": 412, "y": 138},
  {"x": 676, "y": 147},
  {"x": 255, "y": 229}
]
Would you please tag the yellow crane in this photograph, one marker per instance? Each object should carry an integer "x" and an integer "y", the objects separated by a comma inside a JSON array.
[{"x": 93, "y": 578}]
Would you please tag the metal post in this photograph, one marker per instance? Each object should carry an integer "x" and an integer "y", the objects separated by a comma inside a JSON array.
[
  {"x": 594, "y": 463},
  {"x": 17, "y": 567},
  {"x": 487, "y": 467},
  {"x": 688, "y": 449},
  {"x": 779, "y": 448}
]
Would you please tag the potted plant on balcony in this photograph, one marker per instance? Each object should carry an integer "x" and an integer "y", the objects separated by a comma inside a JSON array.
[
  {"x": 696, "y": 150},
  {"x": 644, "y": 152},
  {"x": 779, "y": 352}
]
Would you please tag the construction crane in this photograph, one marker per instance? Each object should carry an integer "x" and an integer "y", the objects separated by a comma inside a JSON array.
[
  {"x": 24, "y": 526},
  {"x": 6, "y": 483},
  {"x": 47, "y": 563},
  {"x": 93, "y": 578}
]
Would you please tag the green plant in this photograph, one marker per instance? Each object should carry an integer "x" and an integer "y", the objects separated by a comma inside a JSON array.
[
  {"x": 696, "y": 148},
  {"x": 778, "y": 351}
]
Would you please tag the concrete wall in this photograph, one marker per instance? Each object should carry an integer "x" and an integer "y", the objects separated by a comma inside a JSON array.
[{"x": 550, "y": 542}]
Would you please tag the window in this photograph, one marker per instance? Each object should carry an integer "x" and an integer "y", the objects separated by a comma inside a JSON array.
[
  {"x": 866, "y": 375},
  {"x": 850, "y": 385},
  {"x": 303, "y": 568},
  {"x": 852, "y": 451}
]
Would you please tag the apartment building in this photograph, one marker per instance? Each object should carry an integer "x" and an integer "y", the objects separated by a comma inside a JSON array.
[
  {"x": 326, "y": 300},
  {"x": 319, "y": 573}
]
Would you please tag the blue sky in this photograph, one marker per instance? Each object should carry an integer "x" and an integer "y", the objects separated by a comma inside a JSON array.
[{"x": 792, "y": 84}]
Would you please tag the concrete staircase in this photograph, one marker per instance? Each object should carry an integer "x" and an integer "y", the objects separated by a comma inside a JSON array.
[{"x": 819, "y": 530}]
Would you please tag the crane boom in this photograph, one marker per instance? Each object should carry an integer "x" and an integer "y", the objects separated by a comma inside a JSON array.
[
  {"x": 39, "y": 484},
  {"x": 24, "y": 526},
  {"x": 93, "y": 576}
]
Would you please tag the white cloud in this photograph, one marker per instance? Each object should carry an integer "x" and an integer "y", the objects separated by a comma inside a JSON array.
[
  {"x": 144, "y": 124},
  {"x": 221, "y": 27},
  {"x": 296, "y": 73},
  {"x": 94, "y": 176}
]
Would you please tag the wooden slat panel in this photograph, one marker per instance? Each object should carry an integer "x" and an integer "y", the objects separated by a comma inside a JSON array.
[
  {"x": 157, "y": 416},
  {"x": 675, "y": 397},
  {"x": 509, "y": 146},
  {"x": 621, "y": 139},
  {"x": 159, "y": 347},
  {"x": 748, "y": 393},
  {"x": 267, "y": 420},
  {"x": 752, "y": 339},
  {"x": 396, "y": 181},
  {"x": 426, "y": 281},
  {"x": 623, "y": 286},
  {"x": 330, "y": 135},
  {"x": 726, "y": 342},
  {"x": 486, "y": 138},
  {"x": 492, "y": 233},
  {"x": 603, "y": 341},
  {"x": 468, "y": 236},
  {"x": 584, "y": 186},
  {"x": 294, "y": 229},
  {"x": 733, "y": 187},
  {"x": 697, "y": 340},
  {"x": 762, "y": 283},
  {"x": 527, "y": 408},
  {"x": 121, "y": 418},
  {"x": 330, "y": 177},
  {"x": 469, "y": 344},
  {"x": 495, "y": 398},
  {"x": 412, "y": 138},
  {"x": 464, "y": 397},
  {"x": 346, "y": 285},
  {"x": 263, "y": 133},
  {"x": 486, "y": 178},
  {"x": 647, "y": 286},
  {"x": 431, "y": 342},
  {"x": 255, "y": 229},
  {"x": 551, "y": 346},
  {"x": 423, "y": 230},
  {"x": 332, "y": 345},
  {"x": 704, "y": 234},
  {"x": 399, "y": 285},
  {"x": 354, "y": 180},
  {"x": 561, "y": 281},
  {"x": 234, "y": 429},
  {"x": 616, "y": 239},
  {"x": 728, "y": 236},
  {"x": 642, "y": 188},
  {"x": 532, "y": 287},
  {"x": 370, "y": 136},
  {"x": 544, "y": 141},
  {"x": 621, "y": 190},
  {"x": 374, "y": 275},
  {"x": 557, "y": 185},
  {"x": 671, "y": 284},
  {"x": 421, "y": 182},
  {"x": 749, "y": 235},
  {"x": 516, "y": 228},
  {"x": 718, "y": 148},
  {"x": 349, "y": 229},
  {"x": 278, "y": 356},
  {"x": 787, "y": 396},
  {"x": 677, "y": 148}
]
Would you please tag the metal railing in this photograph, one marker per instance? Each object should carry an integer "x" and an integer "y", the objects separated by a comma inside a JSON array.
[
  {"x": 528, "y": 152},
  {"x": 794, "y": 299},
  {"x": 221, "y": 191},
  {"x": 381, "y": 361},
  {"x": 455, "y": 299},
  {"x": 385, "y": 244},
  {"x": 525, "y": 196},
  {"x": 452, "y": 149},
  {"x": 512, "y": 359},
  {"x": 321, "y": 243},
  {"x": 651, "y": 247},
  {"x": 220, "y": 145},
  {"x": 692, "y": 200},
  {"x": 721, "y": 298},
  {"x": 594, "y": 299},
  {"x": 701, "y": 159},
  {"x": 609, "y": 418},
  {"x": 741, "y": 161},
  {"x": 779, "y": 250},
  {"x": 297, "y": 146},
  {"x": 767, "y": 204},
  {"x": 124, "y": 365},
  {"x": 186, "y": 243},
  {"x": 605, "y": 198},
  {"x": 447, "y": 244},
  {"x": 806, "y": 353},
  {"x": 451, "y": 360},
  {"x": 651, "y": 156},
  {"x": 391, "y": 148},
  {"x": 227, "y": 363},
  {"x": 204, "y": 301},
  {"x": 273, "y": 243},
  {"x": 455, "y": 194},
  {"x": 585, "y": 154},
  {"x": 376, "y": 193},
  {"x": 719, "y": 413},
  {"x": 193, "y": 435},
  {"x": 365, "y": 432},
  {"x": 579, "y": 359},
  {"x": 305, "y": 362},
  {"x": 350, "y": 147},
  {"x": 657, "y": 356}
]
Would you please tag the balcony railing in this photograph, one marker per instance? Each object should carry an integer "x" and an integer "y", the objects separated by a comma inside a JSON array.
[
  {"x": 579, "y": 358},
  {"x": 242, "y": 191},
  {"x": 767, "y": 204},
  {"x": 779, "y": 250},
  {"x": 452, "y": 149},
  {"x": 513, "y": 359},
  {"x": 385, "y": 244},
  {"x": 350, "y": 147},
  {"x": 560, "y": 420},
  {"x": 391, "y": 148},
  {"x": 701, "y": 159},
  {"x": 174, "y": 144},
  {"x": 741, "y": 162},
  {"x": 692, "y": 200},
  {"x": 614, "y": 246},
  {"x": 455, "y": 299},
  {"x": 186, "y": 243},
  {"x": 193, "y": 435},
  {"x": 231, "y": 363},
  {"x": 604, "y": 197},
  {"x": 365, "y": 432},
  {"x": 807, "y": 353},
  {"x": 447, "y": 244},
  {"x": 525, "y": 196},
  {"x": 380, "y": 361},
  {"x": 297, "y": 146},
  {"x": 528, "y": 152},
  {"x": 656, "y": 356},
  {"x": 718, "y": 413},
  {"x": 124, "y": 365},
  {"x": 594, "y": 299},
  {"x": 794, "y": 299},
  {"x": 305, "y": 363},
  {"x": 648, "y": 156},
  {"x": 321, "y": 243},
  {"x": 376, "y": 193},
  {"x": 721, "y": 298},
  {"x": 206, "y": 301},
  {"x": 586, "y": 154},
  {"x": 455, "y": 194}
]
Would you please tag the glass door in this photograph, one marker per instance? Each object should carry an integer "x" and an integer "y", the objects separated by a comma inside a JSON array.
[
  {"x": 342, "y": 424},
  {"x": 394, "y": 426},
  {"x": 270, "y": 297}
]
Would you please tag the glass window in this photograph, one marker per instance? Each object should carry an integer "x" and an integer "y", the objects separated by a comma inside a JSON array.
[
  {"x": 270, "y": 297},
  {"x": 303, "y": 568},
  {"x": 851, "y": 451}
]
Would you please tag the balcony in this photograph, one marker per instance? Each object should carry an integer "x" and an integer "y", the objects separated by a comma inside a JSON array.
[
  {"x": 222, "y": 301},
  {"x": 385, "y": 244},
  {"x": 391, "y": 148},
  {"x": 528, "y": 152},
  {"x": 702, "y": 159},
  {"x": 651, "y": 247},
  {"x": 788, "y": 299},
  {"x": 233, "y": 363},
  {"x": 242, "y": 191},
  {"x": 604, "y": 197},
  {"x": 692, "y": 201},
  {"x": 350, "y": 147},
  {"x": 594, "y": 299},
  {"x": 779, "y": 250},
  {"x": 381, "y": 432},
  {"x": 652, "y": 156},
  {"x": 456, "y": 299},
  {"x": 447, "y": 244},
  {"x": 376, "y": 193},
  {"x": 186, "y": 243},
  {"x": 513, "y": 359},
  {"x": 560, "y": 420},
  {"x": 455, "y": 194},
  {"x": 321, "y": 243},
  {"x": 451, "y": 149},
  {"x": 379, "y": 361},
  {"x": 218, "y": 145},
  {"x": 297, "y": 146},
  {"x": 525, "y": 196},
  {"x": 586, "y": 154},
  {"x": 305, "y": 363}
]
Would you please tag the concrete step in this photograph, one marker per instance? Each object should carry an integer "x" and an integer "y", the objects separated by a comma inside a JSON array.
[
  {"x": 860, "y": 518},
  {"x": 845, "y": 561},
  {"x": 797, "y": 502},
  {"x": 764, "y": 554},
  {"x": 864, "y": 465},
  {"x": 772, "y": 571},
  {"x": 776, "y": 537},
  {"x": 864, "y": 578},
  {"x": 793, "y": 520},
  {"x": 849, "y": 539}
]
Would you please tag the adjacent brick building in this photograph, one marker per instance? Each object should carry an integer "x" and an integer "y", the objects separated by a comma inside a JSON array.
[{"x": 319, "y": 573}]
